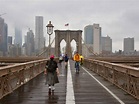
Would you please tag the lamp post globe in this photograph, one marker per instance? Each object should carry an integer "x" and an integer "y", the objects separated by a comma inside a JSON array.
[
  {"x": 49, "y": 32},
  {"x": 50, "y": 28}
]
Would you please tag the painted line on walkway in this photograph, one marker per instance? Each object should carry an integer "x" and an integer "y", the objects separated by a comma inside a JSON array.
[
  {"x": 70, "y": 98},
  {"x": 119, "y": 100}
]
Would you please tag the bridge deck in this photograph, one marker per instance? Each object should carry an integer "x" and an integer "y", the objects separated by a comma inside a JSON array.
[{"x": 87, "y": 89}]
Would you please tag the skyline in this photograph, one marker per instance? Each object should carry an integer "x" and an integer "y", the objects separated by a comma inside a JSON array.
[{"x": 117, "y": 18}]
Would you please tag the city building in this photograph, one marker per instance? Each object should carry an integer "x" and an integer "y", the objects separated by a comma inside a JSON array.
[
  {"x": 9, "y": 45},
  {"x": 1, "y": 29},
  {"x": 106, "y": 45},
  {"x": 88, "y": 34},
  {"x": 92, "y": 36},
  {"x": 128, "y": 45},
  {"x": 39, "y": 37},
  {"x": 14, "y": 50},
  {"x": 3, "y": 37},
  {"x": 29, "y": 43},
  {"x": 18, "y": 36},
  {"x": 10, "y": 40},
  {"x": 97, "y": 39}
]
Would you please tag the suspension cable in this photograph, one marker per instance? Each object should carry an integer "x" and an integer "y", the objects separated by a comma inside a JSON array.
[
  {"x": 90, "y": 50},
  {"x": 46, "y": 48}
]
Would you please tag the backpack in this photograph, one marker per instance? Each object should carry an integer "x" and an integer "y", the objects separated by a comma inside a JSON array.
[{"x": 51, "y": 66}]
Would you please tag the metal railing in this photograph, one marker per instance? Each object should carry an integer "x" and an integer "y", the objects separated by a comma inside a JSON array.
[
  {"x": 14, "y": 76},
  {"x": 125, "y": 77}
]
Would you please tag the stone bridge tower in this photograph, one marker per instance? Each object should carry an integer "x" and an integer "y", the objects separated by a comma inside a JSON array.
[{"x": 68, "y": 36}]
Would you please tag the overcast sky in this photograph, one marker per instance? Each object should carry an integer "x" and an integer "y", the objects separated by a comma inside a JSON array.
[{"x": 118, "y": 19}]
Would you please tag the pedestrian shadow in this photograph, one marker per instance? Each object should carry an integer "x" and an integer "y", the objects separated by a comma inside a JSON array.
[{"x": 52, "y": 98}]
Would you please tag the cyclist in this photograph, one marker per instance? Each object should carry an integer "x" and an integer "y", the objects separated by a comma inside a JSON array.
[{"x": 77, "y": 61}]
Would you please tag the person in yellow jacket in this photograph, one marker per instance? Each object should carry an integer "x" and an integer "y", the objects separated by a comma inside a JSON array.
[{"x": 77, "y": 59}]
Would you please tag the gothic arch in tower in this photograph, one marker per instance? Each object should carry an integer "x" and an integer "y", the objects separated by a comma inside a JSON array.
[{"x": 68, "y": 36}]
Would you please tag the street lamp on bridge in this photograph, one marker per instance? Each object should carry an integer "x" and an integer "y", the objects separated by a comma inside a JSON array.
[{"x": 49, "y": 32}]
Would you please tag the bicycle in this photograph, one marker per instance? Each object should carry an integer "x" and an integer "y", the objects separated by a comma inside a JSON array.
[{"x": 77, "y": 66}]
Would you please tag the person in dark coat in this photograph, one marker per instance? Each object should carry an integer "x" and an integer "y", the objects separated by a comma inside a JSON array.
[
  {"x": 51, "y": 76},
  {"x": 66, "y": 58}
]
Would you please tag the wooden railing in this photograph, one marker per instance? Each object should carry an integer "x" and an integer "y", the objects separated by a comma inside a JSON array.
[
  {"x": 14, "y": 76},
  {"x": 125, "y": 77}
]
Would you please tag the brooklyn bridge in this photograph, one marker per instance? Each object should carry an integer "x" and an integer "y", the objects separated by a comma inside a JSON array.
[{"x": 101, "y": 80}]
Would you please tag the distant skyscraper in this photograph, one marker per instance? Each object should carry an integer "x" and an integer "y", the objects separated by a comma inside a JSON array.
[
  {"x": 106, "y": 45},
  {"x": 1, "y": 34},
  {"x": 30, "y": 42},
  {"x": 96, "y": 39},
  {"x": 39, "y": 38},
  {"x": 10, "y": 40},
  {"x": 9, "y": 45},
  {"x": 18, "y": 37},
  {"x": 92, "y": 36},
  {"x": 128, "y": 45},
  {"x": 88, "y": 34},
  {"x": 3, "y": 37}
]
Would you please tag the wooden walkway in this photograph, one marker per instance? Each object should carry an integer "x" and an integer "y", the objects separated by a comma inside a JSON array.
[{"x": 85, "y": 88}]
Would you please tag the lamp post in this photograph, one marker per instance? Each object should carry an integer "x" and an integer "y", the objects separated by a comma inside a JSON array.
[
  {"x": 77, "y": 46},
  {"x": 49, "y": 32}
]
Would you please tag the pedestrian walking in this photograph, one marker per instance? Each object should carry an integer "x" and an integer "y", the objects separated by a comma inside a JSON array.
[
  {"x": 60, "y": 59},
  {"x": 66, "y": 58},
  {"x": 51, "y": 72}
]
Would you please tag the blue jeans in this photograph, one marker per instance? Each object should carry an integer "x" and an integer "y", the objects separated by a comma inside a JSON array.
[{"x": 77, "y": 65}]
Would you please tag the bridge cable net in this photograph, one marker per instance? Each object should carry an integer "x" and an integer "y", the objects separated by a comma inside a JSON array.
[
  {"x": 46, "y": 48},
  {"x": 90, "y": 50}
]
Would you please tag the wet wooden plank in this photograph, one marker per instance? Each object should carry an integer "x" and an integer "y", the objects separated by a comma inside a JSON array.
[
  {"x": 36, "y": 92},
  {"x": 86, "y": 90}
]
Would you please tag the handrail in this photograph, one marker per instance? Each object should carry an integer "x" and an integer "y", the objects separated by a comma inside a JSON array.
[
  {"x": 123, "y": 76},
  {"x": 14, "y": 76}
]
